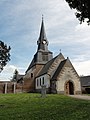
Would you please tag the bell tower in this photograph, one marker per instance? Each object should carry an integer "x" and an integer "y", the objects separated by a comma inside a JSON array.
[
  {"x": 40, "y": 58},
  {"x": 43, "y": 55}
]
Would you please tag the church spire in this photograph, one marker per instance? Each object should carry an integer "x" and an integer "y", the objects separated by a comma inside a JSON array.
[
  {"x": 42, "y": 31},
  {"x": 42, "y": 41}
]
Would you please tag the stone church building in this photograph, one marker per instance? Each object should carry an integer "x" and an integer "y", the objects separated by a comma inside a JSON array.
[{"x": 56, "y": 73}]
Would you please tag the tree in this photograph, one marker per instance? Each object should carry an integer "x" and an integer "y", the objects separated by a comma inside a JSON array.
[
  {"x": 83, "y": 9},
  {"x": 15, "y": 75},
  {"x": 4, "y": 55}
]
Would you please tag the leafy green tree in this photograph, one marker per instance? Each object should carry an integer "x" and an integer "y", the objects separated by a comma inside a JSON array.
[
  {"x": 83, "y": 9},
  {"x": 4, "y": 55}
]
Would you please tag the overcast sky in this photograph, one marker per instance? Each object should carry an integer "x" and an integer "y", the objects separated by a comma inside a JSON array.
[{"x": 20, "y": 22}]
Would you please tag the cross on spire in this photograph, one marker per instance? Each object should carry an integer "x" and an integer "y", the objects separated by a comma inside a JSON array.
[
  {"x": 42, "y": 16},
  {"x": 60, "y": 50}
]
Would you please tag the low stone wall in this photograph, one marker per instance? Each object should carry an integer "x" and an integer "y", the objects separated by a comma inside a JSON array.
[
  {"x": 2, "y": 88},
  {"x": 10, "y": 87}
]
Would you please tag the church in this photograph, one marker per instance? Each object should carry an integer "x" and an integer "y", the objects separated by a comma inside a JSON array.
[{"x": 57, "y": 73}]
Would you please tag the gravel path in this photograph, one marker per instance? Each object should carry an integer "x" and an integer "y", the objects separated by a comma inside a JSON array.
[{"x": 84, "y": 97}]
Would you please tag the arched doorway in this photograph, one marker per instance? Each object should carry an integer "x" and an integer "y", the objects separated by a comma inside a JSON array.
[{"x": 69, "y": 88}]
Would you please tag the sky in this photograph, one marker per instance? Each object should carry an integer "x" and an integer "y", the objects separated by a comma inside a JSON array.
[{"x": 20, "y": 22}]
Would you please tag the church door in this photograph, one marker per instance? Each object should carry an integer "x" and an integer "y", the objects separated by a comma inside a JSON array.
[{"x": 69, "y": 88}]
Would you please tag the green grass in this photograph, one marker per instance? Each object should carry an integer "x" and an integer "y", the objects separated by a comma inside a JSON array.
[{"x": 33, "y": 107}]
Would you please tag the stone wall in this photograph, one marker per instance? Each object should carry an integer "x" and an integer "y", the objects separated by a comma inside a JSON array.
[
  {"x": 68, "y": 74},
  {"x": 11, "y": 87}
]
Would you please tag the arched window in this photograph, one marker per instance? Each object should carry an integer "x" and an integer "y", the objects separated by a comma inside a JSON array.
[
  {"x": 31, "y": 75},
  {"x": 44, "y": 56}
]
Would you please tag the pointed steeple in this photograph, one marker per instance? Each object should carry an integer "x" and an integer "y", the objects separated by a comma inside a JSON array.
[
  {"x": 42, "y": 41},
  {"x": 43, "y": 55},
  {"x": 42, "y": 31}
]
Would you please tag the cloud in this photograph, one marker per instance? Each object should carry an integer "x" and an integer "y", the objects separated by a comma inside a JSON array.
[
  {"x": 7, "y": 72},
  {"x": 82, "y": 68},
  {"x": 20, "y": 22}
]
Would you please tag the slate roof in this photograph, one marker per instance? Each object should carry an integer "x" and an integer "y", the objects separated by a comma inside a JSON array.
[
  {"x": 48, "y": 64},
  {"x": 20, "y": 77},
  {"x": 42, "y": 37},
  {"x": 59, "y": 69},
  {"x": 46, "y": 67},
  {"x": 32, "y": 62},
  {"x": 35, "y": 61},
  {"x": 42, "y": 32},
  {"x": 85, "y": 81}
]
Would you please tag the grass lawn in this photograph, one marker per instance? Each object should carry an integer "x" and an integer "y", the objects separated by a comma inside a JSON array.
[{"x": 33, "y": 107}]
